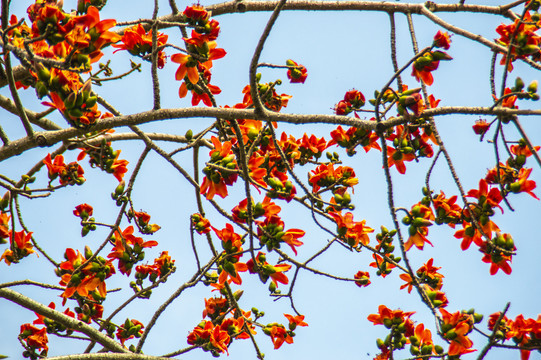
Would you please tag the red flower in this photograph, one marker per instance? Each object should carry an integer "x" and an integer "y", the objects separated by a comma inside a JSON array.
[
  {"x": 84, "y": 211},
  {"x": 21, "y": 247},
  {"x": 492, "y": 197},
  {"x": 295, "y": 321},
  {"x": 397, "y": 159},
  {"x": 424, "y": 65},
  {"x": 216, "y": 180},
  {"x": 296, "y": 75},
  {"x": 130, "y": 329},
  {"x": 363, "y": 278},
  {"x": 523, "y": 184},
  {"x": 201, "y": 225},
  {"x": 355, "y": 98},
  {"x": 278, "y": 335},
  {"x": 35, "y": 338},
  {"x": 351, "y": 232},
  {"x": 456, "y": 326},
  {"x": 138, "y": 42},
  {"x": 481, "y": 126},
  {"x": 442, "y": 40},
  {"x": 4, "y": 225},
  {"x": 388, "y": 318}
]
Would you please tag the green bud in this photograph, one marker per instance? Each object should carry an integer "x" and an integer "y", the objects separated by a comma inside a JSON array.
[
  {"x": 519, "y": 84},
  {"x": 532, "y": 88}
]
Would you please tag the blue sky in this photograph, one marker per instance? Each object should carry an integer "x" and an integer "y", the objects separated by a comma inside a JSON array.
[{"x": 341, "y": 50}]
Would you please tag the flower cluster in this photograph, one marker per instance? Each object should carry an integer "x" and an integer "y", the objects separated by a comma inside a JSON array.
[
  {"x": 195, "y": 65},
  {"x": 84, "y": 212},
  {"x": 75, "y": 40},
  {"x": 455, "y": 327},
  {"x": 525, "y": 333},
  {"x": 266, "y": 271},
  {"x": 217, "y": 334},
  {"x": 385, "y": 249},
  {"x": 200, "y": 224},
  {"x": 130, "y": 329},
  {"x": 522, "y": 35},
  {"x": 419, "y": 219},
  {"x": 353, "y": 137},
  {"x": 353, "y": 101},
  {"x": 138, "y": 42},
  {"x": 353, "y": 233},
  {"x": 398, "y": 322},
  {"x": 35, "y": 340},
  {"x": 220, "y": 171},
  {"x": 69, "y": 174},
  {"x": 163, "y": 265},
  {"x": 105, "y": 158},
  {"x": 278, "y": 332},
  {"x": 128, "y": 249},
  {"x": 142, "y": 220},
  {"x": 87, "y": 282}
]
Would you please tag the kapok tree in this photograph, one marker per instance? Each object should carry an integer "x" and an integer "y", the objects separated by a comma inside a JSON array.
[{"x": 245, "y": 171}]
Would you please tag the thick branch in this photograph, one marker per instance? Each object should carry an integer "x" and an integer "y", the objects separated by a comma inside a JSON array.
[
  {"x": 44, "y": 139},
  {"x": 63, "y": 319}
]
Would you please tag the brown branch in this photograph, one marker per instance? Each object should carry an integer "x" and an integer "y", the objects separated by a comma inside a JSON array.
[{"x": 63, "y": 319}]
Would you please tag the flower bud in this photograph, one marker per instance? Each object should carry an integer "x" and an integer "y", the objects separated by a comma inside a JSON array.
[
  {"x": 519, "y": 84},
  {"x": 532, "y": 88}
]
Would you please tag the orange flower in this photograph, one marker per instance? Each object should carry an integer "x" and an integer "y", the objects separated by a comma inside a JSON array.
[
  {"x": 481, "y": 127},
  {"x": 523, "y": 184},
  {"x": 138, "y": 42},
  {"x": 419, "y": 222},
  {"x": 216, "y": 180},
  {"x": 83, "y": 211},
  {"x": 220, "y": 340},
  {"x": 295, "y": 321},
  {"x": 388, "y": 318},
  {"x": 21, "y": 247},
  {"x": 35, "y": 338},
  {"x": 296, "y": 75},
  {"x": 201, "y": 225},
  {"x": 187, "y": 66},
  {"x": 230, "y": 272},
  {"x": 97, "y": 29},
  {"x": 119, "y": 167},
  {"x": 522, "y": 149},
  {"x": 455, "y": 327},
  {"x": 470, "y": 234},
  {"x": 128, "y": 257},
  {"x": 447, "y": 210},
  {"x": 418, "y": 239},
  {"x": 231, "y": 241},
  {"x": 496, "y": 258},
  {"x": 363, "y": 278},
  {"x": 271, "y": 233},
  {"x": 492, "y": 197},
  {"x": 4, "y": 226},
  {"x": 397, "y": 159},
  {"x": 424, "y": 65},
  {"x": 130, "y": 329},
  {"x": 215, "y": 307},
  {"x": 278, "y": 335},
  {"x": 442, "y": 40},
  {"x": 352, "y": 232}
]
